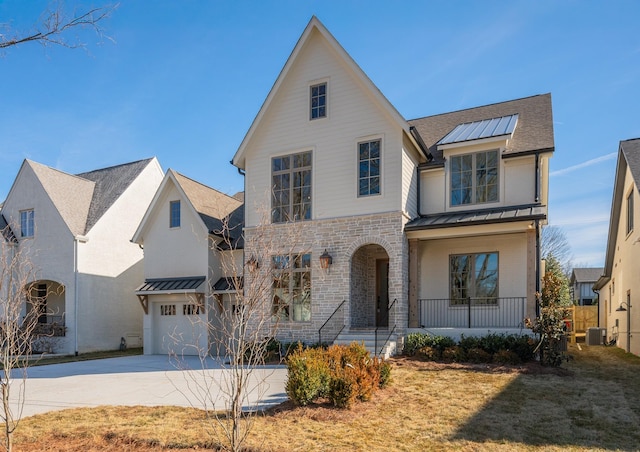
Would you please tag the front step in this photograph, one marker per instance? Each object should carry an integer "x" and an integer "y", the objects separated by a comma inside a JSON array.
[{"x": 368, "y": 338}]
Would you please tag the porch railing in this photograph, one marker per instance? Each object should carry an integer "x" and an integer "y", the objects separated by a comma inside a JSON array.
[
  {"x": 333, "y": 326},
  {"x": 386, "y": 332},
  {"x": 472, "y": 312},
  {"x": 53, "y": 326}
]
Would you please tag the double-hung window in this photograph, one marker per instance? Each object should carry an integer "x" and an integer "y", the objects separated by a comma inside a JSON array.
[
  {"x": 369, "y": 168},
  {"x": 473, "y": 276},
  {"x": 174, "y": 214},
  {"x": 474, "y": 178},
  {"x": 318, "y": 101},
  {"x": 292, "y": 288},
  {"x": 26, "y": 223},
  {"x": 291, "y": 183},
  {"x": 630, "y": 212}
]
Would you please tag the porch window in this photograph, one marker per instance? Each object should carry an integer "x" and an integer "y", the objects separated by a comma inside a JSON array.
[
  {"x": 474, "y": 178},
  {"x": 292, "y": 288},
  {"x": 291, "y": 184},
  {"x": 26, "y": 223},
  {"x": 473, "y": 276}
]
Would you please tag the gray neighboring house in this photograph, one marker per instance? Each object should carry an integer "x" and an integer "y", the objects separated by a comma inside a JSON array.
[{"x": 581, "y": 285}]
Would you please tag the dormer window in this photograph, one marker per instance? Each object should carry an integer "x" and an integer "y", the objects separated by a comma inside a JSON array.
[
  {"x": 318, "y": 101},
  {"x": 26, "y": 223},
  {"x": 474, "y": 178},
  {"x": 174, "y": 214}
]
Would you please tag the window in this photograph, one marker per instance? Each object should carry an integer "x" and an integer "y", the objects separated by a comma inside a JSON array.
[
  {"x": 474, "y": 276},
  {"x": 26, "y": 223},
  {"x": 369, "y": 168},
  {"x": 292, "y": 288},
  {"x": 291, "y": 181},
  {"x": 192, "y": 309},
  {"x": 318, "y": 101},
  {"x": 167, "y": 309},
  {"x": 174, "y": 214},
  {"x": 630, "y": 212},
  {"x": 474, "y": 178}
]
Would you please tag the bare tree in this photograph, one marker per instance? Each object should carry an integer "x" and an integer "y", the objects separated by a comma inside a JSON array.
[
  {"x": 555, "y": 243},
  {"x": 20, "y": 305},
  {"x": 269, "y": 284},
  {"x": 55, "y": 26}
]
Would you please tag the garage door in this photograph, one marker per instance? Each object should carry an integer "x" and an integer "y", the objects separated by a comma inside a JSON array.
[{"x": 177, "y": 328}]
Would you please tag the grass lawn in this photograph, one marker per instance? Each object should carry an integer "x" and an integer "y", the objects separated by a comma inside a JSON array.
[{"x": 591, "y": 403}]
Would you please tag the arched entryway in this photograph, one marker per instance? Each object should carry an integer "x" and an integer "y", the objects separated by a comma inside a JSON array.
[
  {"x": 46, "y": 302},
  {"x": 369, "y": 297}
]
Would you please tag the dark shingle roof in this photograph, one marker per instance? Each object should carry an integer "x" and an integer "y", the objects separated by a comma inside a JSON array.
[
  {"x": 5, "y": 230},
  {"x": 586, "y": 274},
  {"x": 631, "y": 151},
  {"x": 473, "y": 217},
  {"x": 111, "y": 183},
  {"x": 534, "y": 131},
  {"x": 189, "y": 283}
]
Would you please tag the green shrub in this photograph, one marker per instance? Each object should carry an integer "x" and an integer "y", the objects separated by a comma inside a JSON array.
[
  {"x": 416, "y": 341},
  {"x": 429, "y": 353},
  {"x": 307, "y": 375},
  {"x": 385, "y": 373},
  {"x": 342, "y": 389}
]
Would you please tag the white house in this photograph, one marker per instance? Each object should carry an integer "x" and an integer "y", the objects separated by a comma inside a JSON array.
[
  {"x": 75, "y": 229},
  {"x": 581, "y": 285},
  {"x": 619, "y": 285},
  {"x": 428, "y": 223},
  {"x": 191, "y": 235}
]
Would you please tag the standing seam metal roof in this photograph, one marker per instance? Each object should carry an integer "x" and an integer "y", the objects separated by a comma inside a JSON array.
[{"x": 477, "y": 130}]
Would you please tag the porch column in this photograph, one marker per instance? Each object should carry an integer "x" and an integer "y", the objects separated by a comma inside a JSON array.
[
  {"x": 414, "y": 321},
  {"x": 531, "y": 274}
]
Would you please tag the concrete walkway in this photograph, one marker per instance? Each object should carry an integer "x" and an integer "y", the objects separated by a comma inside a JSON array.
[{"x": 148, "y": 380}]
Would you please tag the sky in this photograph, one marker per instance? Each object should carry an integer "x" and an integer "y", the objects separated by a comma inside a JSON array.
[{"x": 183, "y": 81}]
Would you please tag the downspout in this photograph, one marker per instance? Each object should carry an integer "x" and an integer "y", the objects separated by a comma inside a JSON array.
[{"x": 418, "y": 186}]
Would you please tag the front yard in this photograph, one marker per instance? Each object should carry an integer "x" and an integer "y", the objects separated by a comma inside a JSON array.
[{"x": 591, "y": 403}]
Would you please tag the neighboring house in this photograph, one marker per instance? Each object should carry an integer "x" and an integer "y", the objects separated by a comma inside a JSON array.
[
  {"x": 76, "y": 231},
  {"x": 429, "y": 223},
  {"x": 581, "y": 285},
  {"x": 190, "y": 238},
  {"x": 620, "y": 286}
]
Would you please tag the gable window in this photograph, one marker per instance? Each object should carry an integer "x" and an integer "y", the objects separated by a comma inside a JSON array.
[
  {"x": 369, "y": 168},
  {"x": 474, "y": 178},
  {"x": 473, "y": 276},
  {"x": 291, "y": 288},
  {"x": 630, "y": 212},
  {"x": 318, "y": 101},
  {"x": 26, "y": 223},
  {"x": 174, "y": 214},
  {"x": 291, "y": 183}
]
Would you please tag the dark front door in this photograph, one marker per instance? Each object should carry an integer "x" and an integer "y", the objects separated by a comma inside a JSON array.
[{"x": 382, "y": 292}]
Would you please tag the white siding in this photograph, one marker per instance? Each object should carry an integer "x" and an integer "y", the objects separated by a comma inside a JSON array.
[
  {"x": 353, "y": 116},
  {"x": 409, "y": 180},
  {"x": 519, "y": 183}
]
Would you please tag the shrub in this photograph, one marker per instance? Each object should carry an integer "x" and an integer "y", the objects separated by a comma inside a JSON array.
[
  {"x": 506, "y": 357},
  {"x": 385, "y": 373},
  {"x": 478, "y": 355},
  {"x": 453, "y": 354},
  {"x": 342, "y": 389},
  {"x": 429, "y": 353},
  {"x": 416, "y": 341},
  {"x": 307, "y": 375}
]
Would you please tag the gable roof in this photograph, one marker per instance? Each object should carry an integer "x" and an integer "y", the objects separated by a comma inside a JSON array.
[
  {"x": 580, "y": 275},
  {"x": 628, "y": 156},
  {"x": 533, "y": 133},
  {"x": 5, "y": 230},
  {"x": 315, "y": 26}
]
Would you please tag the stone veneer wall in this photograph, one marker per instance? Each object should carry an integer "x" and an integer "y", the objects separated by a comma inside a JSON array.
[{"x": 341, "y": 237}]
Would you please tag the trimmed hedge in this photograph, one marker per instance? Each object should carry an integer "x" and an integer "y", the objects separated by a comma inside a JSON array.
[{"x": 497, "y": 348}]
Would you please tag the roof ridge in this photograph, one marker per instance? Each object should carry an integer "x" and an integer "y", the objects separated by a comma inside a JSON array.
[
  {"x": 115, "y": 166},
  {"x": 200, "y": 183}
]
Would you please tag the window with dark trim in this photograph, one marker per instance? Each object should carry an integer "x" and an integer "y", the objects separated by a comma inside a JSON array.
[
  {"x": 27, "y": 223},
  {"x": 630, "y": 212},
  {"x": 369, "y": 168},
  {"x": 473, "y": 276},
  {"x": 318, "y": 101},
  {"x": 474, "y": 178},
  {"x": 291, "y": 184},
  {"x": 174, "y": 214},
  {"x": 291, "y": 288}
]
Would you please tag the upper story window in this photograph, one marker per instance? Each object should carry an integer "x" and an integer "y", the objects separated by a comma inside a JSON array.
[
  {"x": 630, "y": 212},
  {"x": 473, "y": 276},
  {"x": 291, "y": 183},
  {"x": 369, "y": 168},
  {"x": 474, "y": 178},
  {"x": 318, "y": 101},
  {"x": 174, "y": 214},
  {"x": 26, "y": 223}
]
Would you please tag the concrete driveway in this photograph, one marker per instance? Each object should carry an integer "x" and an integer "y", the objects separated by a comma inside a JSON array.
[{"x": 148, "y": 380}]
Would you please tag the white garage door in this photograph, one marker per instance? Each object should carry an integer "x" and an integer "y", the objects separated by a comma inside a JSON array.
[{"x": 177, "y": 328}]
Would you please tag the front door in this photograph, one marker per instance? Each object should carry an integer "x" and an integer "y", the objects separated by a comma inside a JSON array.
[{"x": 382, "y": 292}]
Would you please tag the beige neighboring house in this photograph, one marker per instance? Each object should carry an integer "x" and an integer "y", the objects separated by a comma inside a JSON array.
[
  {"x": 76, "y": 231},
  {"x": 620, "y": 286},
  {"x": 192, "y": 240},
  {"x": 429, "y": 223}
]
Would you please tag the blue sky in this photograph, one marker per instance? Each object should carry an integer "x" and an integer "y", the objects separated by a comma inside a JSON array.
[{"x": 183, "y": 80}]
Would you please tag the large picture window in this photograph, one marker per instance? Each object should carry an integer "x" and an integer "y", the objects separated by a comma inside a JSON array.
[
  {"x": 292, "y": 288},
  {"x": 473, "y": 276},
  {"x": 474, "y": 178},
  {"x": 26, "y": 223},
  {"x": 369, "y": 168},
  {"x": 291, "y": 183}
]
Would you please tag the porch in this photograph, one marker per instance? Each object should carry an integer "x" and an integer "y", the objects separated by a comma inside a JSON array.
[{"x": 469, "y": 313}]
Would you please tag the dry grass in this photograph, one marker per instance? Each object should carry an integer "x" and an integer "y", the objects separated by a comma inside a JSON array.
[{"x": 592, "y": 403}]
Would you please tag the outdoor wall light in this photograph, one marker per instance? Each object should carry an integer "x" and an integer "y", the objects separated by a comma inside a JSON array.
[
  {"x": 253, "y": 264},
  {"x": 325, "y": 260}
]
